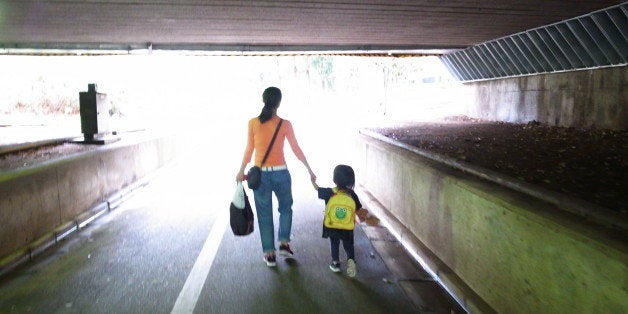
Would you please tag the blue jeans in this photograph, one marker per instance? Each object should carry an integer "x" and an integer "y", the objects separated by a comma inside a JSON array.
[{"x": 279, "y": 182}]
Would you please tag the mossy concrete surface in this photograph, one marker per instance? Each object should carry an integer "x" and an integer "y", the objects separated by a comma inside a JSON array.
[
  {"x": 518, "y": 254},
  {"x": 37, "y": 200}
]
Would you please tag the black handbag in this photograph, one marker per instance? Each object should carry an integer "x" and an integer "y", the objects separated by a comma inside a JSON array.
[
  {"x": 242, "y": 220},
  {"x": 254, "y": 175}
]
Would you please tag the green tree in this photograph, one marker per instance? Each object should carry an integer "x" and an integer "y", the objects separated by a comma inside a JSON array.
[{"x": 324, "y": 67}]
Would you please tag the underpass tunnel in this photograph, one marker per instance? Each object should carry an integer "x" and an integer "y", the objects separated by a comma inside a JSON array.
[
  {"x": 205, "y": 115},
  {"x": 496, "y": 169}
]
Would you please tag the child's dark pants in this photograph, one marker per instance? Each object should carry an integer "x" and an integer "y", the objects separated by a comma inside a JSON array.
[{"x": 335, "y": 248}]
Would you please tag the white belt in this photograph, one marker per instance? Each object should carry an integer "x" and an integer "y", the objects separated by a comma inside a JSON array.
[{"x": 274, "y": 168}]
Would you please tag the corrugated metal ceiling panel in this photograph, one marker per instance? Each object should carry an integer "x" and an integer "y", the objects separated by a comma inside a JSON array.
[{"x": 593, "y": 40}]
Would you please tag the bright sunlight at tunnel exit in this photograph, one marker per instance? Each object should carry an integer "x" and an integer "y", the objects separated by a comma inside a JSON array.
[
  {"x": 166, "y": 91},
  {"x": 322, "y": 95}
]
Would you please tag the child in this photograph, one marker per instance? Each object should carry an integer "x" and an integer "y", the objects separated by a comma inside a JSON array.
[{"x": 344, "y": 178}]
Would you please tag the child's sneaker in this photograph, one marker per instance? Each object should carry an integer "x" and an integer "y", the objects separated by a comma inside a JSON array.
[
  {"x": 351, "y": 270},
  {"x": 334, "y": 266},
  {"x": 271, "y": 260},
  {"x": 284, "y": 250}
]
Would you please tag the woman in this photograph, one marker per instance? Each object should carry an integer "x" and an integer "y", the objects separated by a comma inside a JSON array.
[{"x": 275, "y": 175}]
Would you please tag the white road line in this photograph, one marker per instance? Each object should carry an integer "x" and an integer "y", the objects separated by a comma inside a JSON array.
[{"x": 196, "y": 279}]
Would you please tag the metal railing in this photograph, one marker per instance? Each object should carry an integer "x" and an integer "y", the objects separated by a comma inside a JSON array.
[{"x": 597, "y": 39}]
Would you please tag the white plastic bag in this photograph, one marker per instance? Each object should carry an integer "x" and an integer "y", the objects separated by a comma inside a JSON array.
[{"x": 238, "y": 196}]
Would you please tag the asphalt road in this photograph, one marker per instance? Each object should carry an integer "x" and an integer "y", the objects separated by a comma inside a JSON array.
[{"x": 168, "y": 249}]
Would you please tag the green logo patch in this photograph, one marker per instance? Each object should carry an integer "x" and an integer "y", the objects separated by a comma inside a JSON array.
[{"x": 341, "y": 213}]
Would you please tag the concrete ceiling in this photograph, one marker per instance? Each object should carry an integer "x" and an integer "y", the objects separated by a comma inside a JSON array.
[{"x": 276, "y": 25}]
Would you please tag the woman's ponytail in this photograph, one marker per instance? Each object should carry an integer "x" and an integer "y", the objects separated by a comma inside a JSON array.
[
  {"x": 266, "y": 114},
  {"x": 271, "y": 98}
]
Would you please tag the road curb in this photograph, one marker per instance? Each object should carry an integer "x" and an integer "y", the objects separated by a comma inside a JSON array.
[
  {"x": 80, "y": 222},
  {"x": 440, "y": 272}
]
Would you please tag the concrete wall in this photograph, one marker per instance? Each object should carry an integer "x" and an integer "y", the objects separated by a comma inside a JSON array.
[
  {"x": 518, "y": 254},
  {"x": 37, "y": 200},
  {"x": 587, "y": 98}
]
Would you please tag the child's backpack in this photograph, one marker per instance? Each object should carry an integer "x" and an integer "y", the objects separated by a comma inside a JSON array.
[{"x": 340, "y": 211}]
